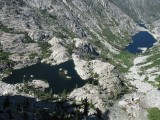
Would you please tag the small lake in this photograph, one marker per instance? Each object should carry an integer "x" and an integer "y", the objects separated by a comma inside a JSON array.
[
  {"x": 53, "y": 74},
  {"x": 140, "y": 40}
]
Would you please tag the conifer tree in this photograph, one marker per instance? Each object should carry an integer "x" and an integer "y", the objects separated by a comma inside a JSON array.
[
  {"x": 64, "y": 95},
  {"x": 86, "y": 107},
  {"x": 6, "y": 102}
]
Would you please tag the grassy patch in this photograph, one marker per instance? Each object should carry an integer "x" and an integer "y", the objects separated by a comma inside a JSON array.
[
  {"x": 47, "y": 17},
  {"x": 45, "y": 49},
  {"x": 47, "y": 14},
  {"x": 155, "y": 63},
  {"x": 61, "y": 35},
  {"x": 4, "y": 59},
  {"x": 65, "y": 33},
  {"x": 106, "y": 32},
  {"x": 7, "y": 71},
  {"x": 154, "y": 114},
  {"x": 154, "y": 57},
  {"x": 115, "y": 40},
  {"x": 4, "y": 56},
  {"x": 158, "y": 80},
  {"x": 33, "y": 55},
  {"x": 125, "y": 60},
  {"x": 70, "y": 47}
]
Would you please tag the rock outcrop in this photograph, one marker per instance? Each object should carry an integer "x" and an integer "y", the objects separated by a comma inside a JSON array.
[
  {"x": 108, "y": 86},
  {"x": 86, "y": 48},
  {"x": 130, "y": 107},
  {"x": 20, "y": 52},
  {"x": 59, "y": 54}
]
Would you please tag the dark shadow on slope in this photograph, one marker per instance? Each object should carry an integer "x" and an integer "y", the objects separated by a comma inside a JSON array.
[{"x": 24, "y": 108}]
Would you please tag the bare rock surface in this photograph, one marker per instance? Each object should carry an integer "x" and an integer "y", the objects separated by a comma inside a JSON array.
[
  {"x": 108, "y": 82},
  {"x": 130, "y": 107},
  {"x": 134, "y": 106},
  {"x": 20, "y": 51},
  {"x": 39, "y": 84},
  {"x": 59, "y": 54}
]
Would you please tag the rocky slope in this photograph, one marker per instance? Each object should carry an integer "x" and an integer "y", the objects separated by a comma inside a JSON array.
[
  {"x": 140, "y": 10},
  {"x": 93, "y": 34}
]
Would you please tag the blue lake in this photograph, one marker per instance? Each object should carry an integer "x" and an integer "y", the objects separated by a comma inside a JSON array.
[
  {"x": 55, "y": 76},
  {"x": 140, "y": 40}
]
